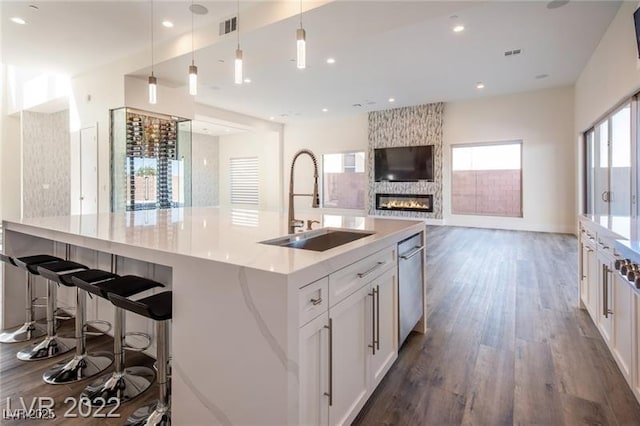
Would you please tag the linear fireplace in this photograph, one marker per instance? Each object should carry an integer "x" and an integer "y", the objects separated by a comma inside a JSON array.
[{"x": 405, "y": 202}]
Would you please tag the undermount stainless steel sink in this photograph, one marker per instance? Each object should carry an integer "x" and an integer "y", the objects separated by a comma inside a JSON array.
[{"x": 319, "y": 240}]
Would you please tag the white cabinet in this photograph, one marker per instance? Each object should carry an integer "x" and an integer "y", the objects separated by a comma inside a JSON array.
[
  {"x": 352, "y": 338},
  {"x": 314, "y": 372},
  {"x": 346, "y": 351},
  {"x": 603, "y": 308},
  {"x": 589, "y": 278},
  {"x": 386, "y": 325},
  {"x": 622, "y": 309}
]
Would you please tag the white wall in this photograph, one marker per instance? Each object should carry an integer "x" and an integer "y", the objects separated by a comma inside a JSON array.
[
  {"x": 263, "y": 145},
  {"x": 326, "y": 136},
  {"x": 205, "y": 183},
  {"x": 11, "y": 160},
  {"x": 543, "y": 120}
]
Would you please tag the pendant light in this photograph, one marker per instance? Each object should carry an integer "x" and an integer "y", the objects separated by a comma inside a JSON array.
[
  {"x": 301, "y": 37},
  {"x": 153, "y": 82},
  {"x": 193, "y": 70},
  {"x": 238, "y": 61}
]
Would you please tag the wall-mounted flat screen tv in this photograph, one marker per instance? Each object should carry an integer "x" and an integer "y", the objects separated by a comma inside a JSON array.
[{"x": 404, "y": 164}]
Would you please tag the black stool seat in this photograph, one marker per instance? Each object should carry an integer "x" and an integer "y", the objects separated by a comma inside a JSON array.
[
  {"x": 89, "y": 276},
  {"x": 56, "y": 271},
  {"x": 125, "y": 286},
  {"x": 7, "y": 259},
  {"x": 30, "y": 263},
  {"x": 156, "y": 307}
]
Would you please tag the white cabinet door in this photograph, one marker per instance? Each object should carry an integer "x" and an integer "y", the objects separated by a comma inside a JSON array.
[
  {"x": 314, "y": 372},
  {"x": 592, "y": 281},
  {"x": 386, "y": 325},
  {"x": 622, "y": 307},
  {"x": 605, "y": 293},
  {"x": 351, "y": 322}
]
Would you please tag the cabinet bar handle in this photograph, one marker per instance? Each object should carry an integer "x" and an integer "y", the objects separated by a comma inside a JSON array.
[
  {"x": 605, "y": 296},
  {"x": 373, "y": 321},
  {"x": 413, "y": 253},
  {"x": 368, "y": 271},
  {"x": 330, "y": 393},
  {"x": 317, "y": 301},
  {"x": 377, "y": 291}
]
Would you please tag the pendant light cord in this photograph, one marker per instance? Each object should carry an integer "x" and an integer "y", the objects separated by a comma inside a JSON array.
[
  {"x": 152, "y": 38},
  {"x": 300, "y": 13},
  {"x": 238, "y": 23},
  {"x": 192, "y": 48}
]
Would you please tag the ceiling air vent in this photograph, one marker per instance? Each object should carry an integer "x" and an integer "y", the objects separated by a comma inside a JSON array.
[
  {"x": 513, "y": 52},
  {"x": 228, "y": 26}
]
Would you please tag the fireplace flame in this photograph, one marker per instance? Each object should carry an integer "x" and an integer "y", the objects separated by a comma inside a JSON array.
[{"x": 404, "y": 204}]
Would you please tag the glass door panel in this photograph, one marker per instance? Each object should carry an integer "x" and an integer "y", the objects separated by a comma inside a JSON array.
[
  {"x": 601, "y": 172},
  {"x": 620, "y": 180},
  {"x": 590, "y": 166},
  {"x": 144, "y": 183}
]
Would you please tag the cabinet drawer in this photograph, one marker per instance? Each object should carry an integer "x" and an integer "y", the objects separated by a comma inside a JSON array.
[
  {"x": 347, "y": 280},
  {"x": 313, "y": 300}
]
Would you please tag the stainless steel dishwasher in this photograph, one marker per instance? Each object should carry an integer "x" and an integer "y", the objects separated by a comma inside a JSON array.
[{"x": 410, "y": 279}]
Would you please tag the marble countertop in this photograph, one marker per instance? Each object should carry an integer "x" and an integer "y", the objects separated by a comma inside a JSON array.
[{"x": 228, "y": 235}]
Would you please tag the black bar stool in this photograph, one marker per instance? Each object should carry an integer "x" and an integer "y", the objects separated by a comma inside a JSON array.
[
  {"x": 83, "y": 364},
  {"x": 123, "y": 384},
  {"x": 30, "y": 329},
  {"x": 52, "y": 345},
  {"x": 159, "y": 308}
]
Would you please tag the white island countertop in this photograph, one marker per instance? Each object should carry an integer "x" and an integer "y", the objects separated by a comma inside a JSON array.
[
  {"x": 226, "y": 235},
  {"x": 241, "y": 345}
]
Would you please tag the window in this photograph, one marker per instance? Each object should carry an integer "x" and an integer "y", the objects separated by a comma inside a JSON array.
[
  {"x": 607, "y": 163},
  {"x": 486, "y": 179},
  {"x": 343, "y": 180},
  {"x": 244, "y": 180}
]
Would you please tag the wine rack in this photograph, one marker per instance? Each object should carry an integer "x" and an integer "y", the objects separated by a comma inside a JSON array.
[{"x": 152, "y": 172}]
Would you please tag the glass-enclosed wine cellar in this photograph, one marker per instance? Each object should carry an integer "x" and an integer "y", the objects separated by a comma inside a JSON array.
[{"x": 150, "y": 160}]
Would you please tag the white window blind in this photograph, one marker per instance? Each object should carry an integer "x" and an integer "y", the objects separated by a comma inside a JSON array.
[{"x": 244, "y": 180}]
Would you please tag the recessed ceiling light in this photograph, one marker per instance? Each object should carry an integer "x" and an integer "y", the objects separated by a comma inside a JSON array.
[
  {"x": 34, "y": 7},
  {"x": 331, "y": 61},
  {"x": 247, "y": 80},
  {"x": 458, "y": 28},
  {"x": 554, "y": 4},
  {"x": 198, "y": 9},
  {"x": 541, "y": 76},
  {"x": 18, "y": 20},
  {"x": 167, "y": 24},
  {"x": 392, "y": 99},
  {"x": 272, "y": 118},
  {"x": 324, "y": 110},
  {"x": 227, "y": 130},
  {"x": 357, "y": 105},
  {"x": 221, "y": 61},
  {"x": 479, "y": 85}
]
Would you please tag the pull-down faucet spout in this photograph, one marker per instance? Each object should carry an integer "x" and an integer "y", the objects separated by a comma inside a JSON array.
[{"x": 315, "y": 197}]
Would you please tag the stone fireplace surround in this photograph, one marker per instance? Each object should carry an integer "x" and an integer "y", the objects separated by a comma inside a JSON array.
[{"x": 407, "y": 126}]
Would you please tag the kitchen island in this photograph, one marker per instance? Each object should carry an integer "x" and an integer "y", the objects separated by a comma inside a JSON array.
[{"x": 261, "y": 334}]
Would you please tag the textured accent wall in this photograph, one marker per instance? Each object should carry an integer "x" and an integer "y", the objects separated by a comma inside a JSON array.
[
  {"x": 205, "y": 162},
  {"x": 407, "y": 126},
  {"x": 46, "y": 179}
]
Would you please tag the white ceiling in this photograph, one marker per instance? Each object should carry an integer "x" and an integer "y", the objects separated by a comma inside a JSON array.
[
  {"x": 383, "y": 49},
  {"x": 70, "y": 37},
  {"x": 212, "y": 128}
]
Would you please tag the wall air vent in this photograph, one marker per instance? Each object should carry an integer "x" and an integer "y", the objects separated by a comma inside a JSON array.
[
  {"x": 513, "y": 52},
  {"x": 228, "y": 25}
]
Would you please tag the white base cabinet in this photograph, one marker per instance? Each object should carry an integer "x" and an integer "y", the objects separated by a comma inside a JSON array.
[
  {"x": 610, "y": 299},
  {"x": 346, "y": 351}
]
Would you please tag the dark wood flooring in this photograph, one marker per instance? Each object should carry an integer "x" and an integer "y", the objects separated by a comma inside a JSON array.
[
  {"x": 507, "y": 343},
  {"x": 24, "y": 379}
]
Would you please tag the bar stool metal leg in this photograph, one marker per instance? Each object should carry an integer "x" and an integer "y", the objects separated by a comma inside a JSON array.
[
  {"x": 52, "y": 345},
  {"x": 123, "y": 384},
  {"x": 30, "y": 329},
  {"x": 157, "y": 413},
  {"x": 83, "y": 365}
]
